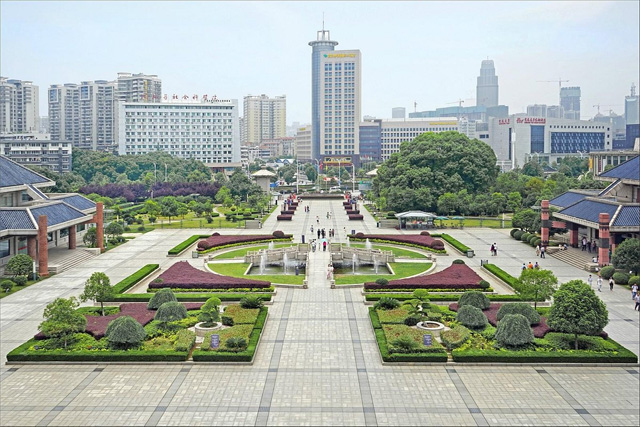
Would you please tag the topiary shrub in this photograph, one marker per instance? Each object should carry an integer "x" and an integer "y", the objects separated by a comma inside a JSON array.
[
  {"x": 514, "y": 331},
  {"x": 216, "y": 234},
  {"x": 472, "y": 317},
  {"x": 518, "y": 234},
  {"x": 124, "y": 332},
  {"x": 513, "y": 232},
  {"x": 425, "y": 233},
  {"x": 227, "y": 321},
  {"x": 404, "y": 344},
  {"x": 454, "y": 338},
  {"x": 359, "y": 236},
  {"x": 160, "y": 297},
  {"x": 236, "y": 344},
  {"x": 607, "y": 272},
  {"x": 210, "y": 312},
  {"x": 457, "y": 261},
  {"x": 386, "y": 303},
  {"x": 382, "y": 281},
  {"x": 251, "y": 301},
  {"x": 411, "y": 320},
  {"x": 170, "y": 312},
  {"x": 525, "y": 237},
  {"x": 474, "y": 298},
  {"x": 20, "y": 280},
  {"x": 141, "y": 228},
  {"x": 621, "y": 278},
  {"x": 434, "y": 316},
  {"x": 537, "y": 242},
  {"x": 634, "y": 280},
  {"x": 484, "y": 284},
  {"x": 278, "y": 234},
  {"x": 519, "y": 308},
  {"x": 7, "y": 285},
  {"x": 532, "y": 239}
]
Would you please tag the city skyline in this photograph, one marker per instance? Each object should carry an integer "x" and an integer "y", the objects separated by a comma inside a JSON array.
[{"x": 429, "y": 53}]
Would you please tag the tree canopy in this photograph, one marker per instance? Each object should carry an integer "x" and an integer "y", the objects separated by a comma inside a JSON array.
[{"x": 627, "y": 256}]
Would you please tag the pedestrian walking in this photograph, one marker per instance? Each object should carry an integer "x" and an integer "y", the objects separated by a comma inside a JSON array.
[
  {"x": 537, "y": 250},
  {"x": 329, "y": 271},
  {"x": 611, "y": 283},
  {"x": 599, "y": 284},
  {"x": 524, "y": 266},
  {"x": 584, "y": 244},
  {"x": 491, "y": 250},
  {"x": 312, "y": 229},
  {"x": 594, "y": 246},
  {"x": 318, "y": 233},
  {"x": 324, "y": 245},
  {"x": 588, "y": 246},
  {"x": 634, "y": 291},
  {"x": 543, "y": 250},
  {"x": 495, "y": 249},
  {"x": 590, "y": 281},
  {"x": 637, "y": 307}
]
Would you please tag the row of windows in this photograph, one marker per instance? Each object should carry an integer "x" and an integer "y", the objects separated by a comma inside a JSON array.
[
  {"x": 576, "y": 127},
  {"x": 141, "y": 140}
]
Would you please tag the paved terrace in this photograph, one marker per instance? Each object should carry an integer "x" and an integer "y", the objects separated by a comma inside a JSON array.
[{"x": 318, "y": 362}]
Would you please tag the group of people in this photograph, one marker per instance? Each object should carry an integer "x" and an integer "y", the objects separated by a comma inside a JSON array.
[
  {"x": 494, "y": 249},
  {"x": 322, "y": 233},
  {"x": 531, "y": 266},
  {"x": 540, "y": 251},
  {"x": 599, "y": 283},
  {"x": 307, "y": 209},
  {"x": 589, "y": 246}
]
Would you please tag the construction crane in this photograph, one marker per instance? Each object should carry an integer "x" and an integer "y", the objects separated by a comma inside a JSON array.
[
  {"x": 459, "y": 102},
  {"x": 560, "y": 81},
  {"x": 608, "y": 105}
]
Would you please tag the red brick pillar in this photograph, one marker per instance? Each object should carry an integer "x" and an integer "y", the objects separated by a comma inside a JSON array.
[
  {"x": 544, "y": 219},
  {"x": 32, "y": 251},
  {"x": 603, "y": 244},
  {"x": 43, "y": 252},
  {"x": 100, "y": 225},
  {"x": 573, "y": 235},
  {"x": 72, "y": 237}
]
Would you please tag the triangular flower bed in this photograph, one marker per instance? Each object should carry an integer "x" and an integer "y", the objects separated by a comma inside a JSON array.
[
  {"x": 457, "y": 276},
  {"x": 422, "y": 239},
  {"x": 183, "y": 275}
]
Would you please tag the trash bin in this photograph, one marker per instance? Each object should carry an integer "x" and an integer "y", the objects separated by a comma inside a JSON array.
[
  {"x": 353, "y": 232},
  {"x": 303, "y": 238},
  {"x": 470, "y": 253},
  {"x": 194, "y": 254},
  {"x": 378, "y": 224}
]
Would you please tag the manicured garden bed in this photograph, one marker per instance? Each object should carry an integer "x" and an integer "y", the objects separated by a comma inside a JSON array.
[
  {"x": 398, "y": 252},
  {"x": 181, "y": 247},
  {"x": 376, "y": 295},
  {"x": 400, "y": 269},
  {"x": 355, "y": 217},
  {"x": 183, "y": 275},
  {"x": 238, "y": 270},
  {"x": 455, "y": 243},
  {"x": 539, "y": 330},
  {"x": 457, "y": 276},
  {"x": 217, "y": 241},
  {"x": 284, "y": 217},
  {"x": 240, "y": 253},
  {"x": 423, "y": 241}
]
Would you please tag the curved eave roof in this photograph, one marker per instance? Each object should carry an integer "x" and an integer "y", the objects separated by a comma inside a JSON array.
[
  {"x": 13, "y": 174},
  {"x": 627, "y": 171}
]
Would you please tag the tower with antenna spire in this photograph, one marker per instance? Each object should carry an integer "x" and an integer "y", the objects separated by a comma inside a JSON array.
[{"x": 631, "y": 112}]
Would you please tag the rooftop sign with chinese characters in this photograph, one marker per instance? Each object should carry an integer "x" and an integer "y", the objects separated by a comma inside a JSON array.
[
  {"x": 193, "y": 98},
  {"x": 339, "y": 55}
]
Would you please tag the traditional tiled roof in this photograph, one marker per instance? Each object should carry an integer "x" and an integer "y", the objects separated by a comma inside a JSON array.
[
  {"x": 568, "y": 199},
  {"x": 627, "y": 170},
  {"x": 589, "y": 210},
  {"x": 629, "y": 216},
  {"x": 13, "y": 174},
  {"x": 17, "y": 219},
  {"x": 57, "y": 213},
  {"x": 78, "y": 202}
]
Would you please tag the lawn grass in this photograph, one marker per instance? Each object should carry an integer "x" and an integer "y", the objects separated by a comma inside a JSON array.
[
  {"x": 401, "y": 270},
  {"x": 243, "y": 251},
  {"x": 17, "y": 288},
  {"x": 238, "y": 269},
  {"x": 398, "y": 252}
]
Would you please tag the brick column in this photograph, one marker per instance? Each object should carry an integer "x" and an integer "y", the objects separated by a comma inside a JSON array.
[
  {"x": 603, "y": 244},
  {"x": 99, "y": 219},
  {"x": 32, "y": 251},
  {"x": 544, "y": 219},
  {"x": 43, "y": 251},
  {"x": 72, "y": 237},
  {"x": 573, "y": 235}
]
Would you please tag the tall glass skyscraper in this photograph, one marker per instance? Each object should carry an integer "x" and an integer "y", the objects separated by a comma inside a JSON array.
[{"x": 322, "y": 44}]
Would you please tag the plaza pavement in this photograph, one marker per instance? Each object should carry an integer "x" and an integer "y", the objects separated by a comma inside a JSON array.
[{"x": 317, "y": 363}]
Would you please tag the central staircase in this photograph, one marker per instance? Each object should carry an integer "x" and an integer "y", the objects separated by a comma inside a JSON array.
[{"x": 574, "y": 257}]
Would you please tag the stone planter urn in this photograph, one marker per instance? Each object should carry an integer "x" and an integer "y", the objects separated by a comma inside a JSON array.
[
  {"x": 201, "y": 330},
  {"x": 434, "y": 327}
]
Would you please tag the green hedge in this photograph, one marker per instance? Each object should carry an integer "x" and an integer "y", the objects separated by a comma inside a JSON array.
[
  {"x": 243, "y": 356},
  {"x": 455, "y": 243},
  {"x": 530, "y": 356},
  {"x": 439, "y": 357},
  {"x": 128, "y": 282},
  {"x": 501, "y": 274},
  {"x": 434, "y": 290},
  {"x": 179, "y": 248},
  {"x": 435, "y": 297},
  {"x": 186, "y": 297},
  {"x": 23, "y": 354},
  {"x": 215, "y": 291},
  {"x": 231, "y": 245}
]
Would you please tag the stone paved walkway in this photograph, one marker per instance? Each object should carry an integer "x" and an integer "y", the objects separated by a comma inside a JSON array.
[{"x": 317, "y": 363}]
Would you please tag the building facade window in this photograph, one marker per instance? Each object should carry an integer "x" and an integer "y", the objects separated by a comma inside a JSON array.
[{"x": 537, "y": 139}]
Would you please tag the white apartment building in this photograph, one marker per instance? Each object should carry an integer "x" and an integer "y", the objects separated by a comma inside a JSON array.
[
  {"x": 84, "y": 114},
  {"x": 139, "y": 87},
  {"x": 19, "y": 106},
  {"x": 206, "y": 131},
  {"x": 340, "y": 102},
  {"x": 303, "y": 141},
  {"x": 396, "y": 131},
  {"x": 519, "y": 138},
  {"x": 264, "y": 118},
  {"x": 36, "y": 149}
]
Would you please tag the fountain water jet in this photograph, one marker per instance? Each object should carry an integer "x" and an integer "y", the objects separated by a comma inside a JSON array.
[
  {"x": 376, "y": 264},
  {"x": 263, "y": 262},
  {"x": 285, "y": 262},
  {"x": 354, "y": 262},
  {"x": 271, "y": 245},
  {"x": 368, "y": 245}
]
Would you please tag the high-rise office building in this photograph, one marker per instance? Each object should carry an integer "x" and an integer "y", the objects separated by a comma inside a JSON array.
[
  {"x": 631, "y": 112},
  {"x": 340, "y": 102},
  {"x": 537, "y": 110},
  {"x": 322, "y": 44},
  {"x": 264, "y": 118},
  {"x": 84, "y": 114},
  {"x": 570, "y": 102},
  {"x": 19, "y": 106},
  {"x": 398, "y": 113},
  {"x": 139, "y": 87},
  {"x": 487, "y": 87},
  {"x": 303, "y": 144}
]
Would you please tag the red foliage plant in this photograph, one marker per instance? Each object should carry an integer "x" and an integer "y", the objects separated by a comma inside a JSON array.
[
  {"x": 539, "y": 330},
  {"x": 183, "y": 275},
  {"x": 216, "y": 240},
  {"x": 457, "y": 276},
  {"x": 355, "y": 217},
  {"x": 413, "y": 239}
]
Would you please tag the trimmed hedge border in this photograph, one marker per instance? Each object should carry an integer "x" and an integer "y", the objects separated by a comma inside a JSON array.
[
  {"x": 529, "y": 356},
  {"x": 501, "y": 274},
  {"x": 231, "y": 245},
  {"x": 440, "y": 357},
  {"x": 181, "y": 247},
  {"x": 435, "y": 297},
  {"x": 243, "y": 356},
  {"x": 426, "y": 248},
  {"x": 128, "y": 282},
  {"x": 191, "y": 297},
  {"x": 462, "y": 248}
]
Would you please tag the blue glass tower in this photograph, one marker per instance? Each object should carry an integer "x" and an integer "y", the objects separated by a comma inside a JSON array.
[{"x": 322, "y": 44}]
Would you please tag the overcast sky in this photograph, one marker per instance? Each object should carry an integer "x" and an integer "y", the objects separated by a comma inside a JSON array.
[{"x": 427, "y": 52}]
